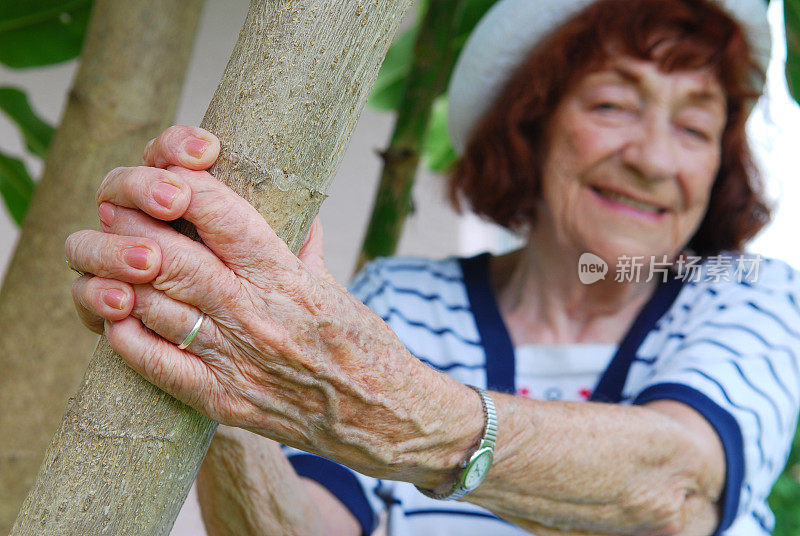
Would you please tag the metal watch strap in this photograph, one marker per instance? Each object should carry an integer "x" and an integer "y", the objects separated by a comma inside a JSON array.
[{"x": 487, "y": 441}]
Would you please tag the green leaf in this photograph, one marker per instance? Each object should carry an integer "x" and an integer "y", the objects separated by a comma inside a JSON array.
[
  {"x": 785, "y": 495},
  {"x": 16, "y": 187},
  {"x": 437, "y": 150},
  {"x": 471, "y": 14},
  {"x": 388, "y": 88},
  {"x": 41, "y": 32},
  {"x": 791, "y": 15},
  {"x": 36, "y": 132}
]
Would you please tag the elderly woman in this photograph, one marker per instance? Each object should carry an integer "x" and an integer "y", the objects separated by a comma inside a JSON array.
[{"x": 652, "y": 401}]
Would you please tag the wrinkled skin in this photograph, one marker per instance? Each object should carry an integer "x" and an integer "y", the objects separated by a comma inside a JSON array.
[
  {"x": 287, "y": 353},
  {"x": 284, "y": 350}
]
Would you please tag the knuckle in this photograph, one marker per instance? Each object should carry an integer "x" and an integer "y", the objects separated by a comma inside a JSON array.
[
  {"x": 177, "y": 273},
  {"x": 138, "y": 183},
  {"x": 103, "y": 189},
  {"x": 172, "y": 141},
  {"x": 219, "y": 212},
  {"x": 76, "y": 243},
  {"x": 148, "y": 152}
]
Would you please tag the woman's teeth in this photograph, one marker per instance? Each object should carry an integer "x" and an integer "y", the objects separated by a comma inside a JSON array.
[{"x": 625, "y": 200}]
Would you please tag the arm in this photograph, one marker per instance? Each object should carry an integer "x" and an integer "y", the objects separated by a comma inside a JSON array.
[
  {"x": 246, "y": 486},
  {"x": 286, "y": 352},
  {"x": 600, "y": 468}
]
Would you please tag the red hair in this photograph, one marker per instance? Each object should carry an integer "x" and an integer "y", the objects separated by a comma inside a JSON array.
[{"x": 500, "y": 172}]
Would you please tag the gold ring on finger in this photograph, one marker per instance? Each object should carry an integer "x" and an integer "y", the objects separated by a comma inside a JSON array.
[{"x": 69, "y": 265}]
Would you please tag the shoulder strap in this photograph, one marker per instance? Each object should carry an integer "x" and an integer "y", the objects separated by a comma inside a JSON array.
[
  {"x": 497, "y": 345},
  {"x": 609, "y": 386}
]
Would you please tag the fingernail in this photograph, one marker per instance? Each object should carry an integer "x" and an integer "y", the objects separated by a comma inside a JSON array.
[
  {"x": 138, "y": 258},
  {"x": 196, "y": 147},
  {"x": 114, "y": 298},
  {"x": 165, "y": 194},
  {"x": 106, "y": 213}
]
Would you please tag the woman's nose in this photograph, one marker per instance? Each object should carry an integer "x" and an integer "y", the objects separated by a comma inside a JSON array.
[{"x": 650, "y": 150}]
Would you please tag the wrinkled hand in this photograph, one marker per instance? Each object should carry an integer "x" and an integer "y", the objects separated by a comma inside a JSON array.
[{"x": 284, "y": 350}]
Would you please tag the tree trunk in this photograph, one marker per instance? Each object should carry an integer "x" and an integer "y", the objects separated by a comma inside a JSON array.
[
  {"x": 433, "y": 58},
  {"x": 125, "y": 92},
  {"x": 126, "y": 453}
]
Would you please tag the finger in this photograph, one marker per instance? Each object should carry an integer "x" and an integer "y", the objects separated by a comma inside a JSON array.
[
  {"x": 232, "y": 228},
  {"x": 97, "y": 299},
  {"x": 132, "y": 259},
  {"x": 177, "y": 372},
  {"x": 189, "y": 271},
  {"x": 174, "y": 320},
  {"x": 184, "y": 146},
  {"x": 158, "y": 192},
  {"x": 312, "y": 253}
]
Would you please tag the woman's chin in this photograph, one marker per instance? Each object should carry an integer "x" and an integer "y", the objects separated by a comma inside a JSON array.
[{"x": 627, "y": 255}]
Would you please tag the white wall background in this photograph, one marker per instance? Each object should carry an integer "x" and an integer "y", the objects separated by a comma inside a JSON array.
[{"x": 434, "y": 230}]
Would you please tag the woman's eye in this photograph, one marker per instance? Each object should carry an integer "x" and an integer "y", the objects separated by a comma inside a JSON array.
[{"x": 697, "y": 133}]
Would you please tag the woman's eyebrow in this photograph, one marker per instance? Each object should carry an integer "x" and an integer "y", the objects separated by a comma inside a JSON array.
[
  {"x": 629, "y": 75},
  {"x": 703, "y": 96}
]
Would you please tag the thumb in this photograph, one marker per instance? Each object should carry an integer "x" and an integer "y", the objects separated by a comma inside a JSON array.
[{"x": 312, "y": 252}]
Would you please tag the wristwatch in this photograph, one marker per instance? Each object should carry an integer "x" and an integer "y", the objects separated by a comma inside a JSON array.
[{"x": 474, "y": 469}]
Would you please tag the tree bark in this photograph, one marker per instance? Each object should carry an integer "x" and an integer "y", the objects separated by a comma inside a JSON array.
[
  {"x": 125, "y": 92},
  {"x": 126, "y": 454},
  {"x": 433, "y": 58}
]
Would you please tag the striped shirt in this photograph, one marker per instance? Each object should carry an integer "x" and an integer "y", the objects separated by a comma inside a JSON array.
[{"x": 728, "y": 349}]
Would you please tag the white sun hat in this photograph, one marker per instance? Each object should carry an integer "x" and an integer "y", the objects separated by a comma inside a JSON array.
[{"x": 511, "y": 28}]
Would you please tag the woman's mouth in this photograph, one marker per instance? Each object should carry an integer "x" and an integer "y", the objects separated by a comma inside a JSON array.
[{"x": 618, "y": 200}]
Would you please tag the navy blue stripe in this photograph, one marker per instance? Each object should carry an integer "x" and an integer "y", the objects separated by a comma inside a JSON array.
[
  {"x": 762, "y": 393},
  {"x": 750, "y": 411},
  {"x": 785, "y": 389},
  {"x": 752, "y": 332},
  {"x": 793, "y": 301},
  {"x": 448, "y": 512},
  {"x": 422, "y": 268},
  {"x": 419, "y": 324},
  {"x": 341, "y": 482},
  {"x": 609, "y": 387},
  {"x": 704, "y": 340},
  {"x": 448, "y": 366},
  {"x": 355, "y": 285},
  {"x": 789, "y": 351},
  {"x": 728, "y": 431},
  {"x": 776, "y": 318},
  {"x": 371, "y": 272},
  {"x": 728, "y": 325},
  {"x": 413, "y": 292},
  {"x": 500, "y": 367},
  {"x": 742, "y": 374},
  {"x": 762, "y": 523},
  {"x": 443, "y": 366}
]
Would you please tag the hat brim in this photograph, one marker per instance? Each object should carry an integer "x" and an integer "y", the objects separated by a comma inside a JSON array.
[{"x": 511, "y": 28}]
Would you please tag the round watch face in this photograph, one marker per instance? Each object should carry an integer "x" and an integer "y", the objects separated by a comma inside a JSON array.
[{"x": 477, "y": 469}]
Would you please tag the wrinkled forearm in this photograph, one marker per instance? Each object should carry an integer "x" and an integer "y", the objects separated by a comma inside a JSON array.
[
  {"x": 246, "y": 486},
  {"x": 586, "y": 468}
]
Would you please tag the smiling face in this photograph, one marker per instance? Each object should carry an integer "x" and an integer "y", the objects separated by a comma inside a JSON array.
[{"x": 632, "y": 156}]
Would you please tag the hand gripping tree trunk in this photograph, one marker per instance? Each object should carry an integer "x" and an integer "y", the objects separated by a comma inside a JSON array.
[
  {"x": 126, "y": 453},
  {"x": 125, "y": 92}
]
